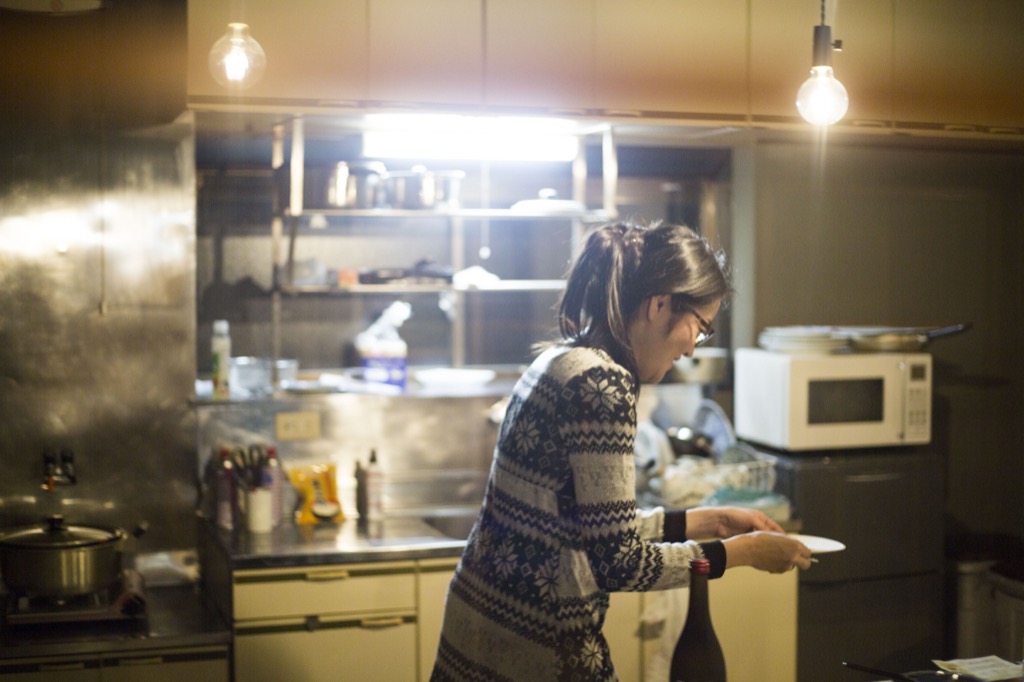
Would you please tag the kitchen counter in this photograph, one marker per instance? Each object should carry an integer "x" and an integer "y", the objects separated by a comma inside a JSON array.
[
  {"x": 391, "y": 539},
  {"x": 350, "y": 541},
  {"x": 178, "y": 616}
]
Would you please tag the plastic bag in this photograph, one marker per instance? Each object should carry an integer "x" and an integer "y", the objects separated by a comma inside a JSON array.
[{"x": 317, "y": 488}]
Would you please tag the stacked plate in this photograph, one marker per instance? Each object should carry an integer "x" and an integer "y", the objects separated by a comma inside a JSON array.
[{"x": 813, "y": 340}]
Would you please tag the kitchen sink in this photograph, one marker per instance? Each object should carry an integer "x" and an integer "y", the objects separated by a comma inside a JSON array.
[{"x": 455, "y": 526}]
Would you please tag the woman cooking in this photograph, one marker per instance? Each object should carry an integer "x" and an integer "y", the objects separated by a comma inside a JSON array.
[{"x": 559, "y": 528}]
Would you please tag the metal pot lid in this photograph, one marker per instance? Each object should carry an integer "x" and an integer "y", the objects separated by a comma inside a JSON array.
[
  {"x": 370, "y": 167},
  {"x": 55, "y": 534}
]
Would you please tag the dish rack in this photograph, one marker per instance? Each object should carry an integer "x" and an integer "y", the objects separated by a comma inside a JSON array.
[{"x": 691, "y": 480}]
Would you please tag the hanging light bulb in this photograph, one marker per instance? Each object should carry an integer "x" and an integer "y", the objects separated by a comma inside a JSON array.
[
  {"x": 237, "y": 61},
  {"x": 822, "y": 100}
]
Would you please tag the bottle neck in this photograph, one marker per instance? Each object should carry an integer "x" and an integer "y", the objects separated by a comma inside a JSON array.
[{"x": 699, "y": 612}]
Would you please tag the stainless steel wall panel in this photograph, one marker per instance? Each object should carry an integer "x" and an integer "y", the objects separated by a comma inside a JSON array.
[{"x": 97, "y": 268}]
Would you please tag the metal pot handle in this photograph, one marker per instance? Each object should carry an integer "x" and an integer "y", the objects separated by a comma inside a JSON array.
[{"x": 948, "y": 331}]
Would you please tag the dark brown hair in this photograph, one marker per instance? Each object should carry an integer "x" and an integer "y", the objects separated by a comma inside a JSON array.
[{"x": 621, "y": 265}]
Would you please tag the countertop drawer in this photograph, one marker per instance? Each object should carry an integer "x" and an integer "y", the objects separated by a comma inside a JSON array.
[{"x": 350, "y": 588}]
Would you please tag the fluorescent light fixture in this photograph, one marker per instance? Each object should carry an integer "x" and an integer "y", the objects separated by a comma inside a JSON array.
[{"x": 458, "y": 137}]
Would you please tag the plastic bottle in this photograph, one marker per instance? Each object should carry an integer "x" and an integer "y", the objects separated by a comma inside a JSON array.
[
  {"x": 224, "y": 485},
  {"x": 384, "y": 353},
  {"x": 698, "y": 655},
  {"x": 361, "y": 501},
  {"x": 374, "y": 489},
  {"x": 221, "y": 350},
  {"x": 273, "y": 478}
]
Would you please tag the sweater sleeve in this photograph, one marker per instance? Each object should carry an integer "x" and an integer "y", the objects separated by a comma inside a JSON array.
[
  {"x": 598, "y": 430},
  {"x": 675, "y": 531}
]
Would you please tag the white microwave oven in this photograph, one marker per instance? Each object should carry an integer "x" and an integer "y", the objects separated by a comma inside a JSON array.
[{"x": 830, "y": 401}]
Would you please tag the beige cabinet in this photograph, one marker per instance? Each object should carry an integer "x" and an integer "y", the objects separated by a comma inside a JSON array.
[
  {"x": 326, "y": 623},
  {"x": 538, "y": 54},
  {"x": 680, "y": 56},
  {"x": 52, "y": 669},
  {"x": 622, "y": 632},
  {"x": 195, "y": 664},
  {"x": 917, "y": 62},
  {"x": 433, "y": 578},
  {"x": 958, "y": 63},
  {"x": 317, "y": 50},
  {"x": 425, "y": 52},
  {"x": 755, "y": 619}
]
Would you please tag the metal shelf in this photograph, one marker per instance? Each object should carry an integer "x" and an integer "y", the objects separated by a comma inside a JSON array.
[
  {"x": 464, "y": 213},
  {"x": 508, "y": 285},
  {"x": 456, "y": 218}
]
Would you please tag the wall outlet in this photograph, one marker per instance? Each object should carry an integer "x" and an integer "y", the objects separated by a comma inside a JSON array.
[{"x": 297, "y": 425}]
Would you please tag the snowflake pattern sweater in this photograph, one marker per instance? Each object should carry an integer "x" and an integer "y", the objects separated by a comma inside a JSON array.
[{"x": 558, "y": 531}]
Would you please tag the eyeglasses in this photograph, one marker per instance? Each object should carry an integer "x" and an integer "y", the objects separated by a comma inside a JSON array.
[{"x": 706, "y": 333}]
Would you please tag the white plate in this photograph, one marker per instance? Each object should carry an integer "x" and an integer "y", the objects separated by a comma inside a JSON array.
[
  {"x": 549, "y": 206},
  {"x": 443, "y": 376},
  {"x": 310, "y": 387},
  {"x": 819, "y": 545}
]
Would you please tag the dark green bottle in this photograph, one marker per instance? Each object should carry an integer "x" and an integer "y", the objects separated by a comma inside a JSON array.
[{"x": 698, "y": 655}]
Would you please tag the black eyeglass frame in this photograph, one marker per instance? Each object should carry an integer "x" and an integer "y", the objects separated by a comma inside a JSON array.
[{"x": 707, "y": 331}]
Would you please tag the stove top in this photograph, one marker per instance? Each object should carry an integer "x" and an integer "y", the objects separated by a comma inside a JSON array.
[{"x": 124, "y": 603}]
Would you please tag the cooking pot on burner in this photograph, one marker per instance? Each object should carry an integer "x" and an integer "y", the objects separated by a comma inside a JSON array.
[{"x": 60, "y": 560}]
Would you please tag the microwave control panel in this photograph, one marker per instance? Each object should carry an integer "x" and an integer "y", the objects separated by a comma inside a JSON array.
[{"x": 917, "y": 415}]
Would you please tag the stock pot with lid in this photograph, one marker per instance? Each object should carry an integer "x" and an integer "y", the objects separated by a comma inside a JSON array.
[{"x": 55, "y": 559}]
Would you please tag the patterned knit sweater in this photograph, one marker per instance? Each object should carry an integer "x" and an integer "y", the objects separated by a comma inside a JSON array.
[{"x": 558, "y": 531}]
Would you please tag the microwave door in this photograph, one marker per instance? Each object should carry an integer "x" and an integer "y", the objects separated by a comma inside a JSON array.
[{"x": 846, "y": 404}]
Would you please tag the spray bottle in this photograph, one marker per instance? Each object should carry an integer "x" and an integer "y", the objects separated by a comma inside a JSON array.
[
  {"x": 383, "y": 351},
  {"x": 374, "y": 489}
]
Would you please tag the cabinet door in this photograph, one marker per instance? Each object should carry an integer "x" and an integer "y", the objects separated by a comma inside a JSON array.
[
  {"x": 755, "y": 617},
  {"x": 622, "y": 632},
  {"x": 433, "y": 578},
  {"x": 172, "y": 665},
  {"x": 429, "y": 52},
  {"x": 55, "y": 669},
  {"x": 294, "y": 592},
  {"x": 671, "y": 55},
  {"x": 372, "y": 650},
  {"x": 538, "y": 53},
  {"x": 316, "y": 51},
  {"x": 958, "y": 63}
]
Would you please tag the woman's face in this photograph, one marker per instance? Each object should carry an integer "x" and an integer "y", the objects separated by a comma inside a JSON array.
[{"x": 660, "y": 337}]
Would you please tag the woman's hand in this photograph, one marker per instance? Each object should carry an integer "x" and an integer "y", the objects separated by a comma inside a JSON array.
[
  {"x": 766, "y": 551},
  {"x": 725, "y": 522}
]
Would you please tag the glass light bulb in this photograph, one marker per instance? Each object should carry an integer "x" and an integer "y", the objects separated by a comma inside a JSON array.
[
  {"x": 822, "y": 100},
  {"x": 237, "y": 61}
]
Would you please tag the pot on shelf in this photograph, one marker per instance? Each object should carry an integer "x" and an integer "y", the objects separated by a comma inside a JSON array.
[
  {"x": 55, "y": 559},
  {"x": 420, "y": 188},
  {"x": 354, "y": 184}
]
